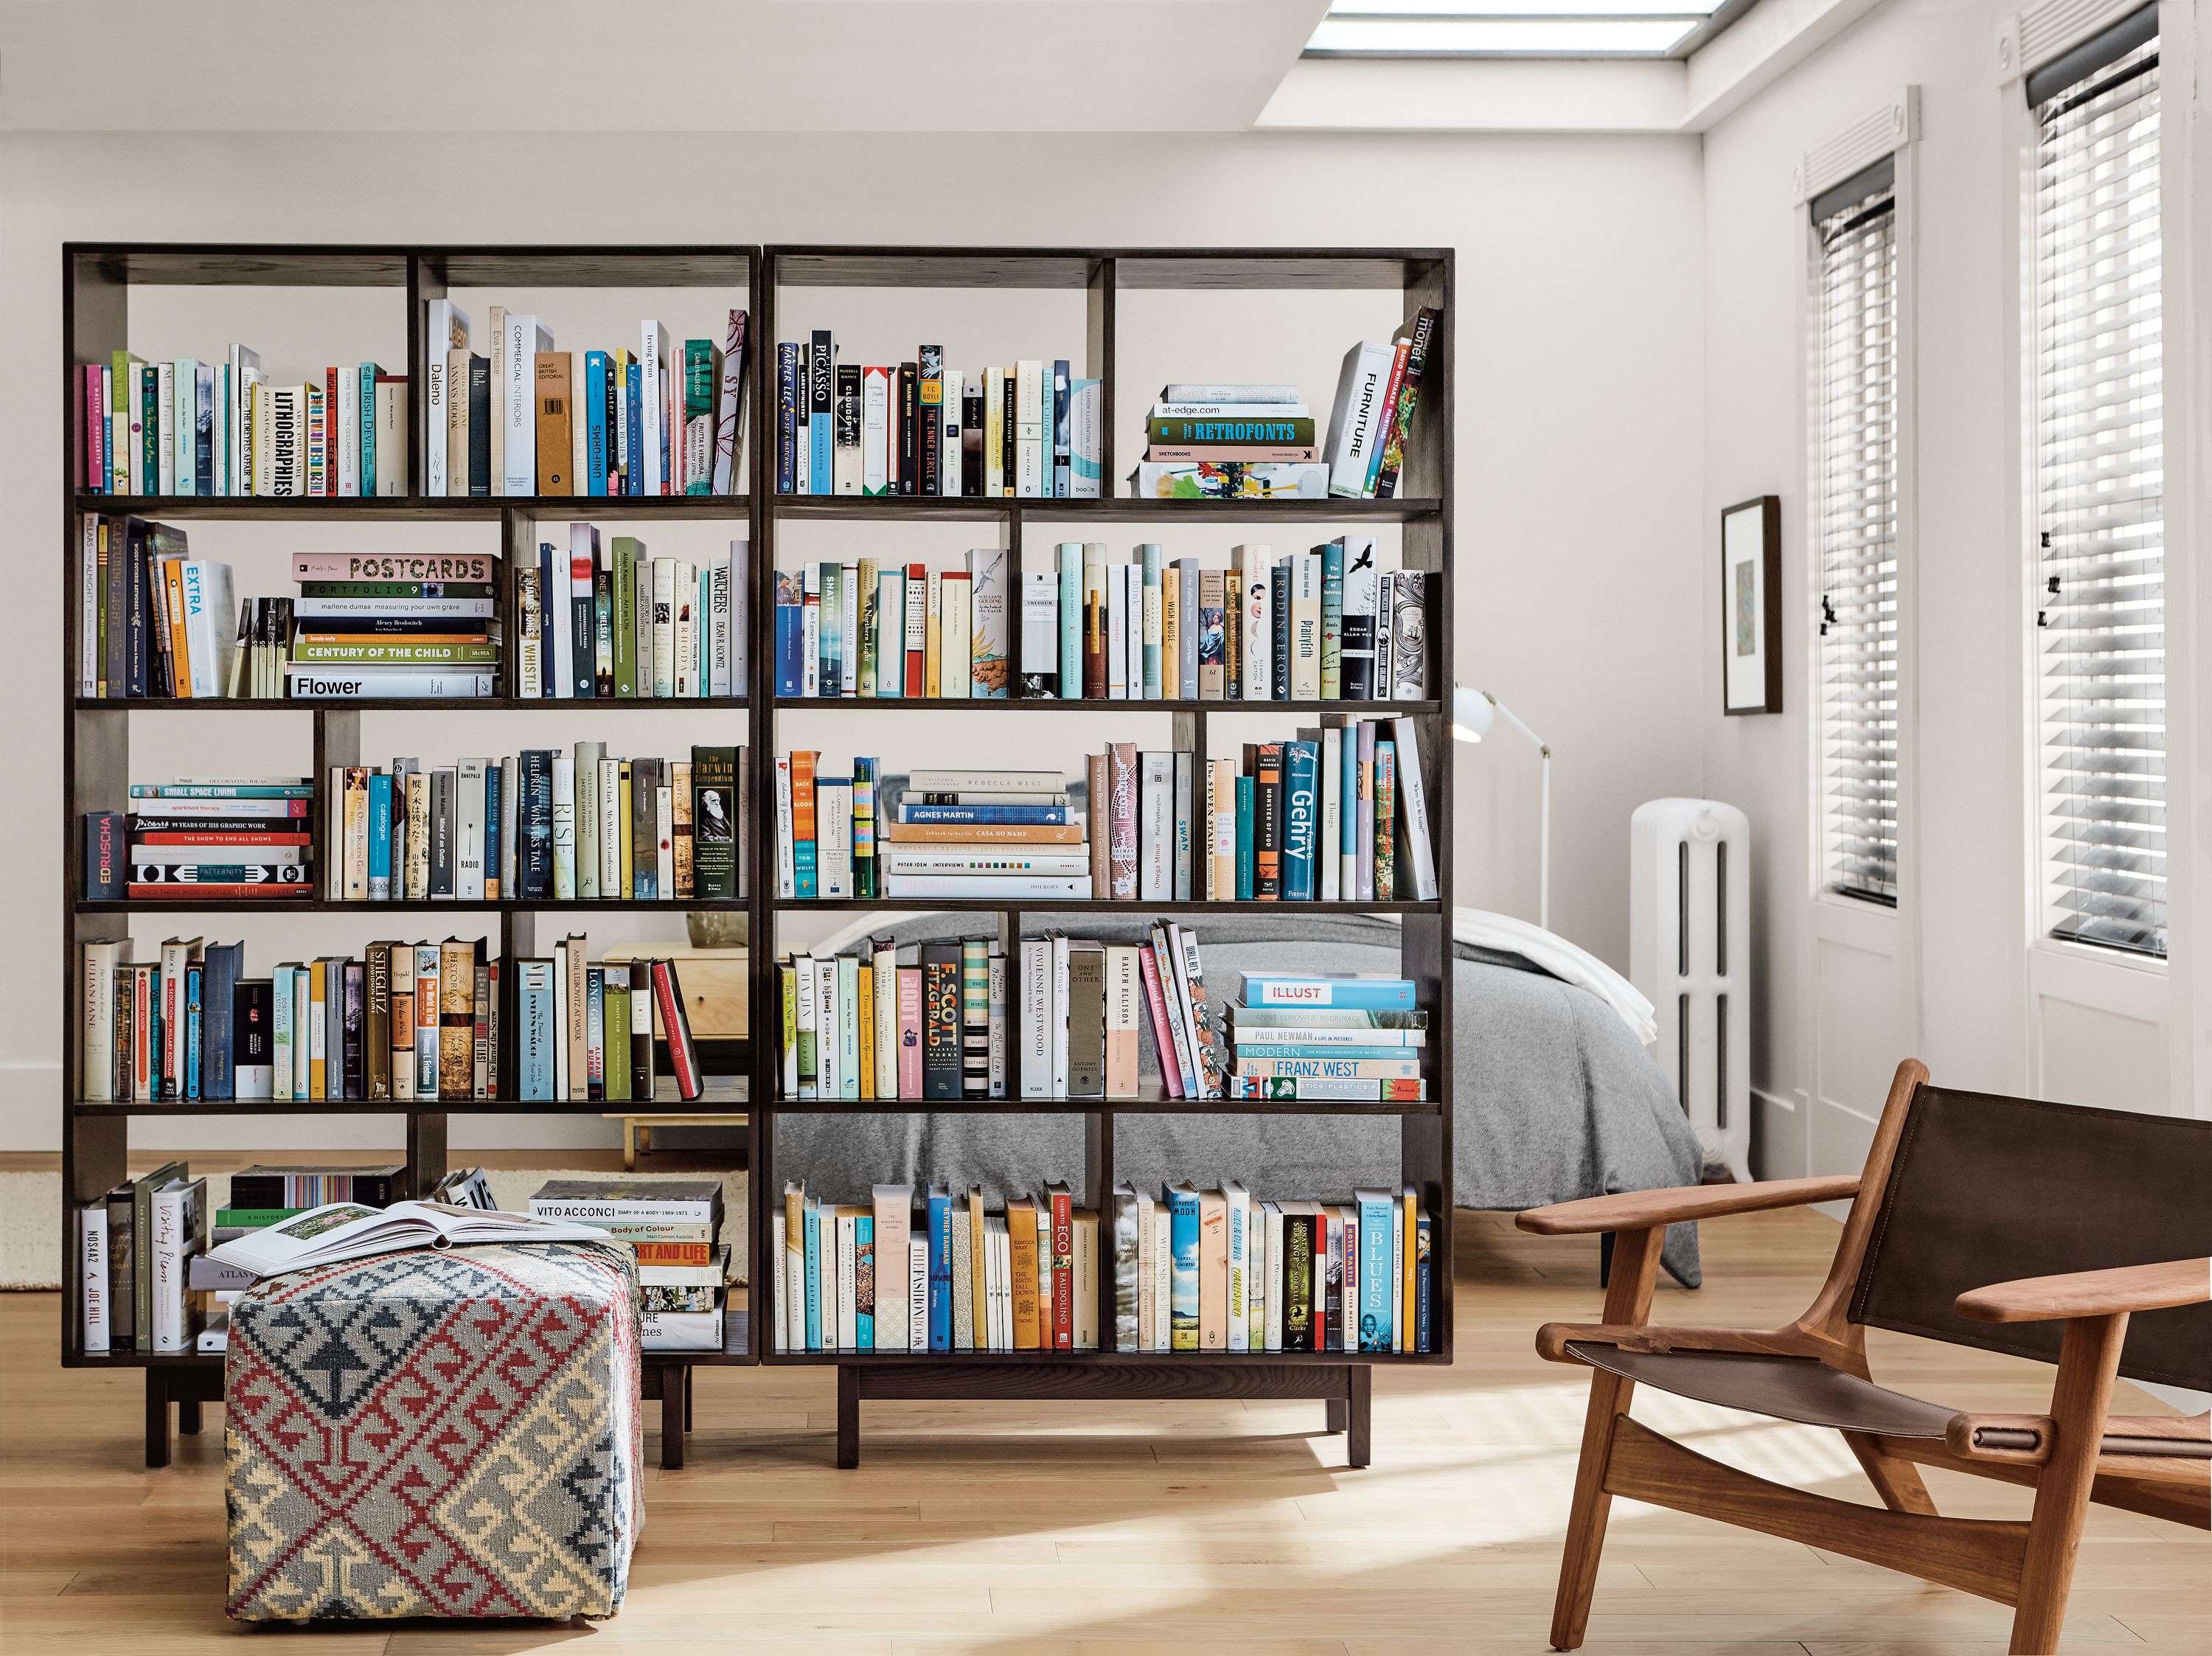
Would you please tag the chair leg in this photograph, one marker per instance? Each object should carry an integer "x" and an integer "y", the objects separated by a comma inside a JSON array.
[
  {"x": 1586, "y": 1518},
  {"x": 1897, "y": 1482},
  {"x": 2088, "y": 1360}
]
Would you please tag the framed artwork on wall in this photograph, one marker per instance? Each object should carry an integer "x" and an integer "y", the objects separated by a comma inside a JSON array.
[{"x": 1751, "y": 606}]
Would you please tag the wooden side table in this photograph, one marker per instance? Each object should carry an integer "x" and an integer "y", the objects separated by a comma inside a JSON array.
[{"x": 717, "y": 997}]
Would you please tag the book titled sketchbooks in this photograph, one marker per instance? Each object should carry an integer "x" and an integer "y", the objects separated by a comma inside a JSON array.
[{"x": 346, "y": 1230}]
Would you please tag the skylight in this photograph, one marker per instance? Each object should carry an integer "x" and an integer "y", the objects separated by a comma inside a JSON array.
[{"x": 1525, "y": 28}]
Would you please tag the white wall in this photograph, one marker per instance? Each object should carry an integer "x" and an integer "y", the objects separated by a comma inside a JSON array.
[
  {"x": 1581, "y": 533},
  {"x": 1957, "y": 974}
]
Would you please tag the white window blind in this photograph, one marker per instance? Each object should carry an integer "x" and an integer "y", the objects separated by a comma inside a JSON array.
[
  {"x": 1856, "y": 223},
  {"x": 2099, "y": 492}
]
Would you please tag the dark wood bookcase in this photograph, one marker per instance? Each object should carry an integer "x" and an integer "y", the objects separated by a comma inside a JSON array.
[{"x": 97, "y": 282}]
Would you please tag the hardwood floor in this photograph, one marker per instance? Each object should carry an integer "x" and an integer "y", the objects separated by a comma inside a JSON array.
[{"x": 1112, "y": 1531}]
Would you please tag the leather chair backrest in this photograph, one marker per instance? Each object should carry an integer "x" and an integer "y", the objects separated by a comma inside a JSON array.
[{"x": 1987, "y": 1189}]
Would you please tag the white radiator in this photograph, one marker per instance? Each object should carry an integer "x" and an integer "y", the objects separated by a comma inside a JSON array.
[{"x": 1689, "y": 950}]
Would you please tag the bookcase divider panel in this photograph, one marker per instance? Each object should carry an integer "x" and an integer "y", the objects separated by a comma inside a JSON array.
[{"x": 1098, "y": 358}]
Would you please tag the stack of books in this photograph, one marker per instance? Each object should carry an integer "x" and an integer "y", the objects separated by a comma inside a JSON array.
[
  {"x": 673, "y": 1225},
  {"x": 1223, "y": 1269},
  {"x": 191, "y": 427},
  {"x": 940, "y": 833},
  {"x": 1326, "y": 625},
  {"x": 547, "y": 824},
  {"x": 527, "y": 419},
  {"x": 1377, "y": 393},
  {"x": 586, "y": 1032},
  {"x": 1326, "y": 1036},
  {"x": 947, "y": 1020},
  {"x": 605, "y": 621},
  {"x": 152, "y": 619},
  {"x": 372, "y": 627},
  {"x": 1223, "y": 441},
  {"x": 135, "y": 1249},
  {"x": 205, "y": 838},
  {"x": 953, "y": 1278},
  {"x": 1030, "y": 432}
]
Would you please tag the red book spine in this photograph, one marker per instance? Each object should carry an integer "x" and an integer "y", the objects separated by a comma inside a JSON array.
[
  {"x": 185, "y": 891},
  {"x": 92, "y": 472},
  {"x": 1163, "y": 1035},
  {"x": 329, "y": 431},
  {"x": 220, "y": 837},
  {"x": 1063, "y": 1271},
  {"x": 1319, "y": 1282},
  {"x": 1390, "y": 406},
  {"x": 909, "y": 1031},
  {"x": 681, "y": 1058},
  {"x": 917, "y": 575}
]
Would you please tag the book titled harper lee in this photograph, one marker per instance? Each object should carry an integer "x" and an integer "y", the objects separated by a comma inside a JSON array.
[{"x": 394, "y": 566}]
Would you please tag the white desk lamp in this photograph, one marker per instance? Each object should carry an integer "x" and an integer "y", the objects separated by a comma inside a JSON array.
[{"x": 1473, "y": 712}]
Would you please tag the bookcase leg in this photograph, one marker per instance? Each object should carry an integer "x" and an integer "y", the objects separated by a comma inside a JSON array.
[
  {"x": 157, "y": 1418},
  {"x": 188, "y": 1416},
  {"x": 674, "y": 1383},
  {"x": 1358, "y": 1409},
  {"x": 848, "y": 1417},
  {"x": 1338, "y": 1413},
  {"x": 690, "y": 1376}
]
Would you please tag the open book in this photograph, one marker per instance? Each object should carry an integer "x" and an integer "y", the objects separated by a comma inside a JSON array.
[{"x": 347, "y": 1230}]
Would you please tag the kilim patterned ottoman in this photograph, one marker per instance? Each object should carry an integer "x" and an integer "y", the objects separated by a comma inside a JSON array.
[{"x": 442, "y": 1432}]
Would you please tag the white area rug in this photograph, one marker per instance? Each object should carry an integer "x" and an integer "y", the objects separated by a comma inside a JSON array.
[{"x": 31, "y": 1215}]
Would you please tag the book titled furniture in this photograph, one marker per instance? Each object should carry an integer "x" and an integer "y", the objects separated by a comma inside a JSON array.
[
  {"x": 2074, "y": 1236},
  {"x": 98, "y": 282}
]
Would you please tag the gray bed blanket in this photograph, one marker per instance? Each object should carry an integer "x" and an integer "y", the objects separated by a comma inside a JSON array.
[{"x": 1553, "y": 1097}]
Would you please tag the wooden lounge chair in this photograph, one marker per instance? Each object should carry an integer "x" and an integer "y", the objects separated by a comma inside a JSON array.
[{"x": 2077, "y": 1236}]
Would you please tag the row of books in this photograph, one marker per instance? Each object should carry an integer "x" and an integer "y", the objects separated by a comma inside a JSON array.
[
  {"x": 194, "y": 428},
  {"x": 531, "y": 420},
  {"x": 610, "y": 622},
  {"x": 406, "y": 1021},
  {"x": 152, "y": 619},
  {"x": 547, "y": 824},
  {"x": 1030, "y": 432},
  {"x": 1193, "y": 1271},
  {"x": 1378, "y": 394},
  {"x": 200, "y": 839},
  {"x": 675, "y": 1226},
  {"x": 1326, "y": 625}
]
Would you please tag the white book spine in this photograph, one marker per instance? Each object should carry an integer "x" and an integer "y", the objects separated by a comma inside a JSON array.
[
  {"x": 1419, "y": 852},
  {"x": 1272, "y": 1229},
  {"x": 779, "y": 1319},
  {"x": 885, "y": 967},
  {"x": 1163, "y": 1278},
  {"x": 1256, "y": 565},
  {"x": 1239, "y": 1221},
  {"x": 469, "y": 833},
  {"x": 92, "y": 1275},
  {"x": 785, "y": 872},
  {"x": 1305, "y": 628},
  {"x": 608, "y": 794},
  {"x": 948, "y": 466},
  {"x": 996, "y": 969},
  {"x": 1325, "y": 856},
  {"x": 1355, "y": 422},
  {"x": 591, "y": 863},
  {"x": 1036, "y": 1018},
  {"x": 652, "y": 362},
  {"x": 1156, "y": 829},
  {"x": 917, "y": 1299},
  {"x": 1057, "y": 1029},
  {"x": 165, "y": 1278}
]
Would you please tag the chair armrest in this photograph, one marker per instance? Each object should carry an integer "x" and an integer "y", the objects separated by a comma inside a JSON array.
[
  {"x": 1641, "y": 1210},
  {"x": 2091, "y": 1293}
]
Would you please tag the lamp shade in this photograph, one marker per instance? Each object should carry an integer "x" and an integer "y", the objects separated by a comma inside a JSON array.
[{"x": 1472, "y": 714}]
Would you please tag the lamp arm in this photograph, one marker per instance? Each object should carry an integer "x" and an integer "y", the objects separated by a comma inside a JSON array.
[
  {"x": 1514, "y": 719},
  {"x": 1543, "y": 815}
]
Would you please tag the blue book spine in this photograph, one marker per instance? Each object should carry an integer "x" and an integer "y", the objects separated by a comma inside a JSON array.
[
  {"x": 494, "y": 828},
  {"x": 1061, "y": 455},
  {"x": 595, "y": 422},
  {"x": 106, "y": 854},
  {"x": 1150, "y": 551},
  {"x": 1049, "y": 816},
  {"x": 379, "y": 837},
  {"x": 535, "y": 1037},
  {"x": 220, "y": 1022},
  {"x": 1301, "y": 818},
  {"x": 813, "y": 1277},
  {"x": 864, "y": 1251},
  {"x": 1247, "y": 873},
  {"x": 787, "y": 417},
  {"x": 1360, "y": 994},
  {"x": 546, "y": 619},
  {"x": 634, "y": 395},
  {"x": 1377, "y": 1269},
  {"x": 367, "y": 430},
  {"x": 940, "y": 1270},
  {"x": 790, "y": 639},
  {"x": 1071, "y": 625},
  {"x": 818, "y": 441},
  {"x": 194, "y": 976},
  {"x": 1182, "y": 1250}
]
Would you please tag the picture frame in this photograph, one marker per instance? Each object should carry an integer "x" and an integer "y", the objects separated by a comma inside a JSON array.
[{"x": 1751, "y": 606}]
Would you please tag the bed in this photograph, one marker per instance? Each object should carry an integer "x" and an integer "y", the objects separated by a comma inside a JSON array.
[{"x": 1554, "y": 1094}]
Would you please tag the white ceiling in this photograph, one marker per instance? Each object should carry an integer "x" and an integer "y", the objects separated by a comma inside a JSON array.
[{"x": 819, "y": 66}]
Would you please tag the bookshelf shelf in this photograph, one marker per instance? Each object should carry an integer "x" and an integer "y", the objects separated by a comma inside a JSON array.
[
  {"x": 172, "y": 1107},
  {"x": 97, "y": 282},
  {"x": 341, "y": 906},
  {"x": 488, "y": 704}
]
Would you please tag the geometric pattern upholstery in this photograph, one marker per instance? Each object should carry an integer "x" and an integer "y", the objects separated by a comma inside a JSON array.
[{"x": 442, "y": 1432}]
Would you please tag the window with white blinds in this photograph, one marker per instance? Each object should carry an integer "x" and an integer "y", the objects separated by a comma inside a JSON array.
[
  {"x": 2100, "y": 485},
  {"x": 1857, "y": 466}
]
